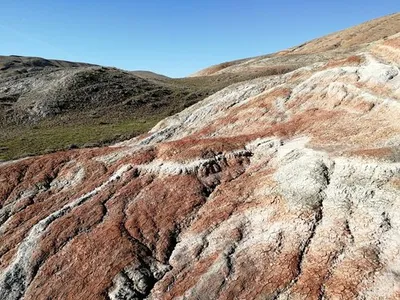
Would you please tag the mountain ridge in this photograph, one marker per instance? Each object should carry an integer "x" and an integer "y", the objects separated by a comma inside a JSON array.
[
  {"x": 284, "y": 186},
  {"x": 49, "y": 105},
  {"x": 345, "y": 39}
]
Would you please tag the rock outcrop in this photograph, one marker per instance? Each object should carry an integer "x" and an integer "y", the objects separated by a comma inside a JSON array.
[
  {"x": 332, "y": 46},
  {"x": 282, "y": 187}
]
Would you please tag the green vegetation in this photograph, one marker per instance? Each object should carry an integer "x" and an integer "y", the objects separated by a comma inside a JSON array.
[
  {"x": 88, "y": 106},
  {"x": 44, "y": 138}
]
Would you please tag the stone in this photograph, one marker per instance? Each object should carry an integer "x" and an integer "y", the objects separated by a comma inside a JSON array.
[{"x": 281, "y": 187}]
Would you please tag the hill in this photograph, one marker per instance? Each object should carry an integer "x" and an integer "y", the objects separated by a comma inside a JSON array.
[
  {"x": 48, "y": 105},
  {"x": 285, "y": 186},
  {"x": 332, "y": 46}
]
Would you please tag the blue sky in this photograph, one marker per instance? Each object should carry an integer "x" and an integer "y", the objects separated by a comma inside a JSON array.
[{"x": 175, "y": 38}]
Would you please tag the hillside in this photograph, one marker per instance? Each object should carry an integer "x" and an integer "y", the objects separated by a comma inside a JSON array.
[
  {"x": 48, "y": 105},
  {"x": 15, "y": 64},
  {"x": 284, "y": 186},
  {"x": 333, "y": 46}
]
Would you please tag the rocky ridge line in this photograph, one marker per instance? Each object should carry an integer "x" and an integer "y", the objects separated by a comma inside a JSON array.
[{"x": 283, "y": 187}]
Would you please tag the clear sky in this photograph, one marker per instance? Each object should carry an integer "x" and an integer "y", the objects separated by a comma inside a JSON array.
[{"x": 175, "y": 38}]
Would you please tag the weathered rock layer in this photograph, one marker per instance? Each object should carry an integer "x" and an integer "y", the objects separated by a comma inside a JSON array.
[{"x": 283, "y": 187}]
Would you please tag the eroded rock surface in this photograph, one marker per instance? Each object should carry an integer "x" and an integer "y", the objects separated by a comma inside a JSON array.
[{"x": 283, "y": 187}]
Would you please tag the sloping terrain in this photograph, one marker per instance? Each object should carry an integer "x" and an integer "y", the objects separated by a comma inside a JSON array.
[
  {"x": 47, "y": 105},
  {"x": 29, "y": 95},
  {"x": 332, "y": 46},
  {"x": 44, "y": 102},
  {"x": 280, "y": 187},
  {"x": 15, "y": 64}
]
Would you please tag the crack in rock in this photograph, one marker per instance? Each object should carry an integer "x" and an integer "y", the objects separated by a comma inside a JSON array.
[{"x": 136, "y": 280}]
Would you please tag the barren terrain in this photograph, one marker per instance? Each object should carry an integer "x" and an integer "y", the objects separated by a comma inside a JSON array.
[{"x": 285, "y": 186}]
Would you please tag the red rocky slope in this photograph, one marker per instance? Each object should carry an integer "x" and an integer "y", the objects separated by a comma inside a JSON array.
[{"x": 283, "y": 187}]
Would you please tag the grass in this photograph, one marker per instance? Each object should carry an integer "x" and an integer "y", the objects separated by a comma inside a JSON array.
[
  {"x": 44, "y": 138},
  {"x": 111, "y": 122}
]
